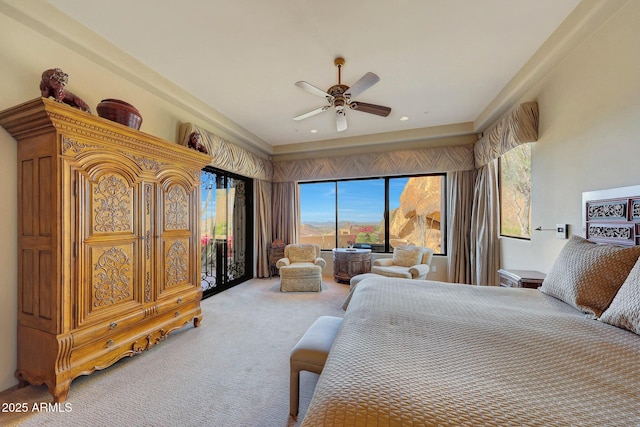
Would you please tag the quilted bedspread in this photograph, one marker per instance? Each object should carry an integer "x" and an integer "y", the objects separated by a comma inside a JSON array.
[{"x": 420, "y": 353}]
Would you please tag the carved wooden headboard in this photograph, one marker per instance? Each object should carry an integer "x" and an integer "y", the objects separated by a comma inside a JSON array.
[{"x": 612, "y": 216}]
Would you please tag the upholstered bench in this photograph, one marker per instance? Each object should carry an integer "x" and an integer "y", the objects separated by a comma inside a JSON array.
[{"x": 310, "y": 353}]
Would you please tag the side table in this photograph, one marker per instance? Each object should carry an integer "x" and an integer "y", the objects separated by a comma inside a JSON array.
[
  {"x": 350, "y": 262},
  {"x": 275, "y": 252},
  {"x": 520, "y": 278}
]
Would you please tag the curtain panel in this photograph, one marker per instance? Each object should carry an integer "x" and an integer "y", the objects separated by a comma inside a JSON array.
[
  {"x": 517, "y": 127},
  {"x": 485, "y": 227},
  {"x": 263, "y": 232},
  {"x": 286, "y": 211},
  {"x": 459, "y": 210}
]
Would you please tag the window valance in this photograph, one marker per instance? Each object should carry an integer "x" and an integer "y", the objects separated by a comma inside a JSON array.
[
  {"x": 228, "y": 156},
  {"x": 425, "y": 160},
  {"x": 517, "y": 127}
]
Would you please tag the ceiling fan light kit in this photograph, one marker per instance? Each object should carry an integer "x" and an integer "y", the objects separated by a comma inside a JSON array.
[{"x": 341, "y": 96}]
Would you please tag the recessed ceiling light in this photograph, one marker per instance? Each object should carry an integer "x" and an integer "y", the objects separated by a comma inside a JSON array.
[
  {"x": 314, "y": 131},
  {"x": 404, "y": 118}
]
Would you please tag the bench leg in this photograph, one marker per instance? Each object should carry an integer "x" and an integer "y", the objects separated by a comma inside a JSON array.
[{"x": 294, "y": 391}]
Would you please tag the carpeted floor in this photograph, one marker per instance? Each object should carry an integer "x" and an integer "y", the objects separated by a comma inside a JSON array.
[{"x": 231, "y": 371}]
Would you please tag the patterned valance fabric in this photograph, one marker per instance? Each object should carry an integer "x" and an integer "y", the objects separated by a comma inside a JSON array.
[
  {"x": 228, "y": 156},
  {"x": 426, "y": 160},
  {"x": 518, "y": 127}
]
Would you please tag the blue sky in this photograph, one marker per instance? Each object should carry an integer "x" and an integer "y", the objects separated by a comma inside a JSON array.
[{"x": 360, "y": 201}]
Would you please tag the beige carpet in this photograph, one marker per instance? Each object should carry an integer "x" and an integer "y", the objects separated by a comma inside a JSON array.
[{"x": 231, "y": 371}]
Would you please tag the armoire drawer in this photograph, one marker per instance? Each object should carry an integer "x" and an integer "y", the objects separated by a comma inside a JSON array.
[
  {"x": 105, "y": 350},
  {"x": 121, "y": 322},
  {"x": 173, "y": 302}
]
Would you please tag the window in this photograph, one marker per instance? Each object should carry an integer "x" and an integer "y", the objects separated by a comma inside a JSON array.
[
  {"x": 376, "y": 213},
  {"x": 318, "y": 214},
  {"x": 361, "y": 213},
  {"x": 515, "y": 192}
]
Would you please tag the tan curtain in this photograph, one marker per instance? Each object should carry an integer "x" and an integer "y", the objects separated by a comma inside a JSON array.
[
  {"x": 485, "y": 226},
  {"x": 263, "y": 226},
  {"x": 459, "y": 209},
  {"x": 286, "y": 211},
  {"x": 517, "y": 127}
]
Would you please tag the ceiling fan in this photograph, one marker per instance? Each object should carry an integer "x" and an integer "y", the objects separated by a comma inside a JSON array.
[{"x": 342, "y": 96}]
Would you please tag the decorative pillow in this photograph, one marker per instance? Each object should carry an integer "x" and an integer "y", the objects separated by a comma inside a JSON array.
[
  {"x": 587, "y": 275},
  {"x": 302, "y": 253},
  {"x": 407, "y": 256},
  {"x": 624, "y": 311}
]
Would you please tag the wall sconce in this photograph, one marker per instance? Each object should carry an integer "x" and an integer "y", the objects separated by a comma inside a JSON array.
[{"x": 562, "y": 230}]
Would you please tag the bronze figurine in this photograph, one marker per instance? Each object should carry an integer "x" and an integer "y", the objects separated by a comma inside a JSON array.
[{"x": 52, "y": 84}]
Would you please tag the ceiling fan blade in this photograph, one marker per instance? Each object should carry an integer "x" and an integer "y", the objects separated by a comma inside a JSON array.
[
  {"x": 314, "y": 90},
  {"x": 364, "y": 83},
  {"x": 341, "y": 120},
  {"x": 378, "y": 110},
  {"x": 312, "y": 113}
]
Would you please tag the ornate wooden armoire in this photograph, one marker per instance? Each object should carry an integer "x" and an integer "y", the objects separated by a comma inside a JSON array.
[{"x": 108, "y": 250}]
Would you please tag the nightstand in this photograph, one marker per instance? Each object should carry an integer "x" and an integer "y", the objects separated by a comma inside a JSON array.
[{"x": 520, "y": 278}]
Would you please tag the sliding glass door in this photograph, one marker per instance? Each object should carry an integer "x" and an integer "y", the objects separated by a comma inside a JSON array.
[{"x": 226, "y": 225}]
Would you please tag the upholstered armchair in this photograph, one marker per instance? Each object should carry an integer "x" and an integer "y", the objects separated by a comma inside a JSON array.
[
  {"x": 410, "y": 262},
  {"x": 301, "y": 268}
]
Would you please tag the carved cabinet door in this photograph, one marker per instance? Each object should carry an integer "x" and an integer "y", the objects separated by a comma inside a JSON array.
[
  {"x": 177, "y": 220},
  {"x": 110, "y": 243}
]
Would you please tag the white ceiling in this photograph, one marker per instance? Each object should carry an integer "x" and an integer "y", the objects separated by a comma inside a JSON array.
[{"x": 440, "y": 62}]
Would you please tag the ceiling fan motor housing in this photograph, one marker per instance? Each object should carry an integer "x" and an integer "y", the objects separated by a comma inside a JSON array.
[{"x": 337, "y": 92}]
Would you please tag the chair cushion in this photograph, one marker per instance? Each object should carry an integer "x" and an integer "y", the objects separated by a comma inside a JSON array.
[
  {"x": 407, "y": 256},
  {"x": 302, "y": 253},
  {"x": 393, "y": 271},
  {"x": 301, "y": 269}
]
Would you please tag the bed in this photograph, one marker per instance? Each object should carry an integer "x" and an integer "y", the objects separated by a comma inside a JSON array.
[{"x": 425, "y": 353}]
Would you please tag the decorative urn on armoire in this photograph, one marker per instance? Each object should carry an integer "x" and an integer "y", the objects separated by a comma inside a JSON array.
[{"x": 120, "y": 112}]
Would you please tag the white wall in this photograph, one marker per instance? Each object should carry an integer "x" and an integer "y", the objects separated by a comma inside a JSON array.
[{"x": 589, "y": 135}]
